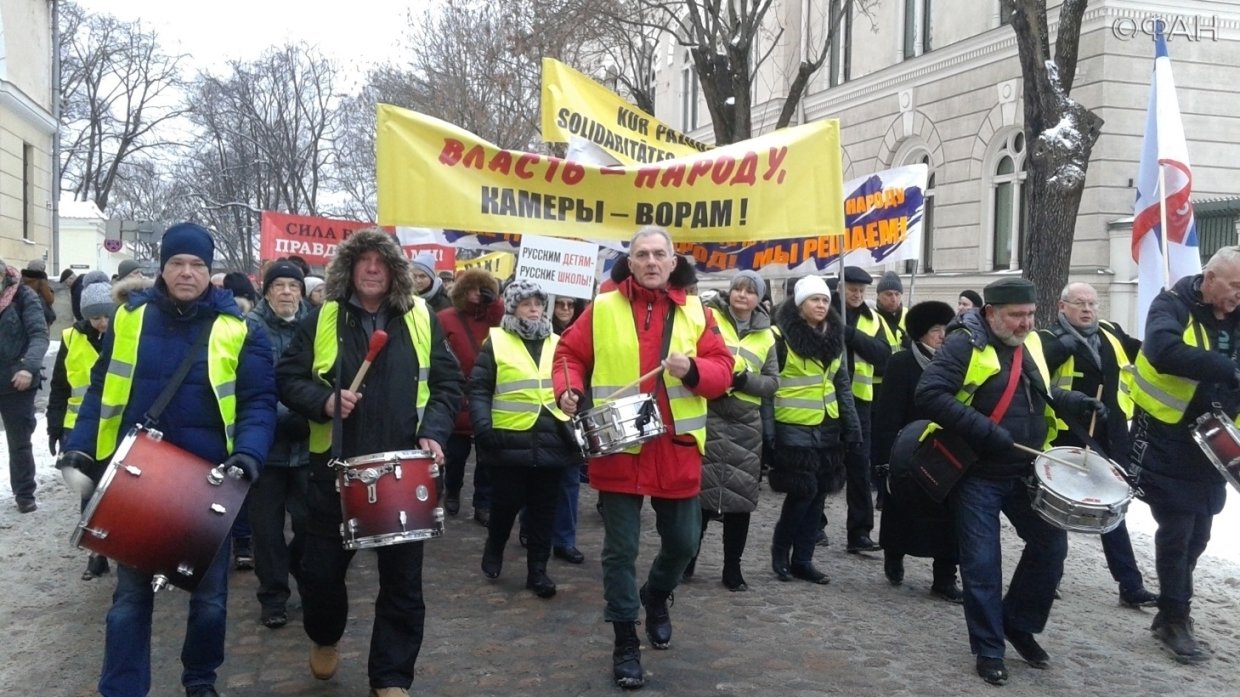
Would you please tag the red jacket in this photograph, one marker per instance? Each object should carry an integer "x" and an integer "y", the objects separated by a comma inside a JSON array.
[
  {"x": 465, "y": 331},
  {"x": 668, "y": 466}
]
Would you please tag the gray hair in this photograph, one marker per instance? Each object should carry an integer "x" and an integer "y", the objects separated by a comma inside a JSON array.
[
  {"x": 650, "y": 231},
  {"x": 1224, "y": 256}
]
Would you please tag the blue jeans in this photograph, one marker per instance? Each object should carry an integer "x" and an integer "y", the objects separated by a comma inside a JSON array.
[
  {"x": 977, "y": 503},
  {"x": 564, "y": 529},
  {"x": 127, "y": 651}
]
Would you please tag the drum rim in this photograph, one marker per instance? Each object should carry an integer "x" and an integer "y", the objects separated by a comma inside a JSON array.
[
  {"x": 109, "y": 474},
  {"x": 1043, "y": 483},
  {"x": 385, "y": 456},
  {"x": 388, "y": 539}
]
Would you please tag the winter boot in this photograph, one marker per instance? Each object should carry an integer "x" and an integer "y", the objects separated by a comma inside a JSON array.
[
  {"x": 626, "y": 658},
  {"x": 492, "y": 559},
  {"x": 779, "y": 563},
  {"x": 1175, "y": 631},
  {"x": 536, "y": 579},
  {"x": 658, "y": 619}
]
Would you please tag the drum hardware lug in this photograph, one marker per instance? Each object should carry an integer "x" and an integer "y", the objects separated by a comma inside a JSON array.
[
  {"x": 185, "y": 569},
  {"x": 397, "y": 471},
  {"x": 404, "y": 522},
  {"x": 433, "y": 469},
  {"x": 216, "y": 476},
  {"x": 422, "y": 492},
  {"x": 159, "y": 582},
  {"x": 134, "y": 470},
  {"x": 372, "y": 493},
  {"x": 96, "y": 533},
  {"x": 352, "y": 527},
  {"x": 218, "y": 509},
  {"x": 437, "y": 514},
  {"x": 155, "y": 436}
]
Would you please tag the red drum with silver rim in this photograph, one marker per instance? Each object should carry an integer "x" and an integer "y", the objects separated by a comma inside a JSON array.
[
  {"x": 1080, "y": 491},
  {"x": 1219, "y": 439},
  {"x": 389, "y": 498},
  {"x": 161, "y": 510}
]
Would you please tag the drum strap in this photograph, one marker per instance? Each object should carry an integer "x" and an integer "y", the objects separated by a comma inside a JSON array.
[
  {"x": 157, "y": 409},
  {"x": 1014, "y": 373}
]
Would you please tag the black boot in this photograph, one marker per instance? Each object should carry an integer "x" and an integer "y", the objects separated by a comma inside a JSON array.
[
  {"x": 779, "y": 563},
  {"x": 732, "y": 577},
  {"x": 658, "y": 619},
  {"x": 626, "y": 658},
  {"x": 806, "y": 571},
  {"x": 492, "y": 559},
  {"x": 536, "y": 579},
  {"x": 1175, "y": 631},
  {"x": 893, "y": 567},
  {"x": 735, "y": 535}
]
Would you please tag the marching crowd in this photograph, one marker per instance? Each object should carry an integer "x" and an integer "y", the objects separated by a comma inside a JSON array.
[{"x": 734, "y": 389}]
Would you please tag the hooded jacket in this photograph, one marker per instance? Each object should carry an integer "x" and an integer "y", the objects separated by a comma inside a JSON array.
[
  {"x": 734, "y": 429},
  {"x": 192, "y": 420},
  {"x": 668, "y": 466},
  {"x": 385, "y": 418},
  {"x": 466, "y": 324},
  {"x": 23, "y": 332},
  {"x": 795, "y": 333}
]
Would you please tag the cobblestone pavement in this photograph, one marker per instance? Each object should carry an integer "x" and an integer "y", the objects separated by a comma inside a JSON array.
[{"x": 856, "y": 636}]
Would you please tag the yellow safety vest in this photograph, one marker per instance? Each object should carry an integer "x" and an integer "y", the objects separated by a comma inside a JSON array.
[
  {"x": 228, "y": 333},
  {"x": 984, "y": 364},
  {"x": 616, "y": 359},
  {"x": 1066, "y": 374},
  {"x": 522, "y": 389},
  {"x": 806, "y": 393},
  {"x": 893, "y": 337},
  {"x": 80, "y": 357},
  {"x": 863, "y": 378},
  {"x": 418, "y": 321},
  {"x": 1166, "y": 397},
  {"x": 750, "y": 352}
]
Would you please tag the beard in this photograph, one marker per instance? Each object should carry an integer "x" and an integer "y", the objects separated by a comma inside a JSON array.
[{"x": 1008, "y": 337}]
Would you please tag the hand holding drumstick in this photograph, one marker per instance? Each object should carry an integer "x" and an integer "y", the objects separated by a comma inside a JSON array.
[{"x": 349, "y": 397}]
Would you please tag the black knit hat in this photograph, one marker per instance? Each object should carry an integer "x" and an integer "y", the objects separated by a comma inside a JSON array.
[
  {"x": 972, "y": 296},
  {"x": 284, "y": 269}
]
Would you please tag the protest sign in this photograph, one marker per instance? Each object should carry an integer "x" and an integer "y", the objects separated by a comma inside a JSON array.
[
  {"x": 574, "y": 105},
  {"x": 314, "y": 239},
  {"x": 559, "y": 267},
  {"x": 498, "y": 264},
  {"x": 434, "y": 174}
]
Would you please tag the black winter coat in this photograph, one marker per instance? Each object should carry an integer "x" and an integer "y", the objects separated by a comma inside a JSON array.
[
  {"x": 796, "y": 333},
  {"x": 23, "y": 336},
  {"x": 291, "y": 447},
  {"x": 547, "y": 444},
  {"x": 872, "y": 349},
  {"x": 385, "y": 418},
  {"x": 59, "y": 389}
]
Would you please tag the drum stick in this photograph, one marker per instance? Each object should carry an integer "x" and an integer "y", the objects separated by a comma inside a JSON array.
[
  {"x": 1060, "y": 461},
  {"x": 377, "y": 341},
  {"x": 1093, "y": 419},
  {"x": 633, "y": 384}
]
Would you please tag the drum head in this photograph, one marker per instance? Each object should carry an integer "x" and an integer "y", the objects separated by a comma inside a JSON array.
[{"x": 1094, "y": 482}]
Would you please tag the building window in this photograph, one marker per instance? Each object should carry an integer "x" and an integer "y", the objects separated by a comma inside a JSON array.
[
  {"x": 688, "y": 95},
  {"x": 1008, "y": 216},
  {"x": 27, "y": 191},
  {"x": 916, "y": 27},
  {"x": 1004, "y": 17},
  {"x": 841, "y": 47}
]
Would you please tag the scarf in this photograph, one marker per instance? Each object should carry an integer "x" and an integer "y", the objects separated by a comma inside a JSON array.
[
  {"x": 526, "y": 329},
  {"x": 1087, "y": 336},
  {"x": 11, "y": 282},
  {"x": 922, "y": 353}
]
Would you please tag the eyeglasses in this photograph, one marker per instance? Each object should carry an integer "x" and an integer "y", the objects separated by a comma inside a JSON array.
[{"x": 1084, "y": 304}]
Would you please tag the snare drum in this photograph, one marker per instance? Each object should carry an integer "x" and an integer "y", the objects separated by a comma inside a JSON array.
[
  {"x": 161, "y": 510},
  {"x": 1219, "y": 439},
  {"x": 618, "y": 425},
  {"x": 1090, "y": 497},
  {"x": 389, "y": 498}
]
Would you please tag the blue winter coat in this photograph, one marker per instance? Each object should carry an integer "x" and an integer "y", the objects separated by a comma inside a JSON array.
[{"x": 192, "y": 420}]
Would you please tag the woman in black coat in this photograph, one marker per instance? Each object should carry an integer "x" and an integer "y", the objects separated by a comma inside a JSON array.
[
  {"x": 527, "y": 457},
  {"x": 912, "y": 523}
]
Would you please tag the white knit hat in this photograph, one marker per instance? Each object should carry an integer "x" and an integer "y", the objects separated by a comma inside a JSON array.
[{"x": 810, "y": 286}]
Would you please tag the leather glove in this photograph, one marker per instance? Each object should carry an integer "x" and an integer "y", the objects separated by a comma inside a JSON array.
[
  {"x": 486, "y": 297},
  {"x": 1093, "y": 405},
  {"x": 54, "y": 441},
  {"x": 739, "y": 379},
  {"x": 73, "y": 466},
  {"x": 998, "y": 440},
  {"x": 249, "y": 466}
]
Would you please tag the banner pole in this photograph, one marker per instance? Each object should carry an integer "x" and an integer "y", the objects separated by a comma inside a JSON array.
[
  {"x": 1162, "y": 221},
  {"x": 912, "y": 280}
]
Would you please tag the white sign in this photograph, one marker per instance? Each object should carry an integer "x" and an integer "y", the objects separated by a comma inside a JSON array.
[{"x": 558, "y": 266}]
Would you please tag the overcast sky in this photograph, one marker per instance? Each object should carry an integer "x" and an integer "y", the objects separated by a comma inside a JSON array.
[{"x": 355, "y": 33}]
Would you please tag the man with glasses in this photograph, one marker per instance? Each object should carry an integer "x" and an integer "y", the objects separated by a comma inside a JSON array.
[{"x": 1083, "y": 354}]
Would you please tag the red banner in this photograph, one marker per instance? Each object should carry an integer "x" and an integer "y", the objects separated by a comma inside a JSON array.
[{"x": 315, "y": 239}]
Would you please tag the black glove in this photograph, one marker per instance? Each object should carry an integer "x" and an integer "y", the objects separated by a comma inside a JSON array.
[
  {"x": 54, "y": 441},
  {"x": 739, "y": 379},
  {"x": 998, "y": 441},
  {"x": 486, "y": 296},
  {"x": 1093, "y": 405},
  {"x": 850, "y": 334},
  {"x": 249, "y": 466}
]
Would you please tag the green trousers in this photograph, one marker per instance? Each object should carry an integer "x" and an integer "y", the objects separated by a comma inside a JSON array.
[{"x": 679, "y": 524}]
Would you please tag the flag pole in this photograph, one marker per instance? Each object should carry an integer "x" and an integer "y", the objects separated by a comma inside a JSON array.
[
  {"x": 1162, "y": 221},
  {"x": 912, "y": 280}
]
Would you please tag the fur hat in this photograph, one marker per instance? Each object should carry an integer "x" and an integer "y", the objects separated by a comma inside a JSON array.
[
  {"x": 474, "y": 279},
  {"x": 925, "y": 315},
  {"x": 520, "y": 290},
  {"x": 339, "y": 282},
  {"x": 890, "y": 281},
  {"x": 97, "y": 300},
  {"x": 810, "y": 286},
  {"x": 186, "y": 238}
]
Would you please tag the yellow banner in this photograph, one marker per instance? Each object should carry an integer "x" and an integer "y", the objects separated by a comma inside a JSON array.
[
  {"x": 500, "y": 264},
  {"x": 575, "y": 105},
  {"x": 785, "y": 184}
]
